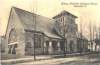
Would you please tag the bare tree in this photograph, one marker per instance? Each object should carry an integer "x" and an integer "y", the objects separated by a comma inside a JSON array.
[{"x": 91, "y": 36}]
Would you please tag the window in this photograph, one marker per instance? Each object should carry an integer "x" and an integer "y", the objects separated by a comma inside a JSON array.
[
  {"x": 28, "y": 44},
  {"x": 38, "y": 40},
  {"x": 61, "y": 20},
  {"x": 71, "y": 21},
  {"x": 12, "y": 36}
]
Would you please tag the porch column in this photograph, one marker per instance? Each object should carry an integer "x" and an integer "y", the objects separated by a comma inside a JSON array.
[
  {"x": 44, "y": 44},
  {"x": 45, "y": 48},
  {"x": 58, "y": 45},
  {"x": 50, "y": 47}
]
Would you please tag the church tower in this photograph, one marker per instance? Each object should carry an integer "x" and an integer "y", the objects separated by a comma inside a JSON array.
[
  {"x": 66, "y": 27},
  {"x": 65, "y": 23}
]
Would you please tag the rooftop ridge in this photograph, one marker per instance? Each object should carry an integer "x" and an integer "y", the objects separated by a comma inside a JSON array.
[
  {"x": 16, "y": 8},
  {"x": 63, "y": 13}
]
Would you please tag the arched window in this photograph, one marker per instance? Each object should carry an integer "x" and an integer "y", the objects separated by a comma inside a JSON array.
[{"x": 12, "y": 36}]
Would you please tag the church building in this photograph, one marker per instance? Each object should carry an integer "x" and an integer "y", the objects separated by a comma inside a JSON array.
[{"x": 28, "y": 33}]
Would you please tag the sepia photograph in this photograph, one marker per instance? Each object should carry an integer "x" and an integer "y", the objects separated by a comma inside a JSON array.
[{"x": 50, "y": 32}]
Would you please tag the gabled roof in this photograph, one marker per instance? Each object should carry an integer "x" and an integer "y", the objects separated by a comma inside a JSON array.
[
  {"x": 43, "y": 24},
  {"x": 64, "y": 13}
]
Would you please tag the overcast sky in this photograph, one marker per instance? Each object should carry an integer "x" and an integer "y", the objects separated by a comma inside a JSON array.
[{"x": 49, "y": 8}]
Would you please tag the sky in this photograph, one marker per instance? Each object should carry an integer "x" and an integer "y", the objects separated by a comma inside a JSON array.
[{"x": 50, "y": 8}]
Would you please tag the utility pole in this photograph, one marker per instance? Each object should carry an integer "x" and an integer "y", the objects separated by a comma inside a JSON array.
[
  {"x": 81, "y": 36},
  {"x": 34, "y": 32},
  {"x": 64, "y": 33},
  {"x": 35, "y": 40}
]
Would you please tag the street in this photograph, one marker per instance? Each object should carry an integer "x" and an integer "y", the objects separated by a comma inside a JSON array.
[{"x": 92, "y": 59}]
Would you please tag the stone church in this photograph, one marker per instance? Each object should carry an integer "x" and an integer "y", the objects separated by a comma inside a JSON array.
[{"x": 28, "y": 33}]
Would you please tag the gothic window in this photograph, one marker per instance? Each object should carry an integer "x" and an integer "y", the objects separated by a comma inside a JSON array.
[{"x": 12, "y": 36}]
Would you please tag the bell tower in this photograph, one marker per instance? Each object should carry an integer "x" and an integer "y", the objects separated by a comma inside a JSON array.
[{"x": 65, "y": 23}]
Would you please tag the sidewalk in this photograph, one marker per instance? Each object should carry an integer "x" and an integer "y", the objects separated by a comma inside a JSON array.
[
  {"x": 39, "y": 58},
  {"x": 25, "y": 59},
  {"x": 45, "y": 60}
]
